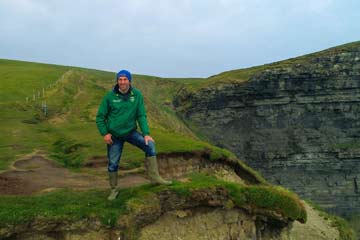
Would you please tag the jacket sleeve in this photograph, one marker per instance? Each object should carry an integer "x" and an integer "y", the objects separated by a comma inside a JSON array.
[
  {"x": 141, "y": 117},
  {"x": 101, "y": 116}
]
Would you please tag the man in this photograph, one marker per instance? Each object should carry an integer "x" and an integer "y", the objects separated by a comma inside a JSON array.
[{"x": 116, "y": 120}]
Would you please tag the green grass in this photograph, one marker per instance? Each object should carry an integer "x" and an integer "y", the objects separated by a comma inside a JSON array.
[
  {"x": 23, "y": 126},
  {"x": 60, "y": 205},
  {"x": 70, "y": 205},
  {"x": 21, "y": 79},
  {"x": 19, "y": 136},
  {"x": 16, "y": 137}
]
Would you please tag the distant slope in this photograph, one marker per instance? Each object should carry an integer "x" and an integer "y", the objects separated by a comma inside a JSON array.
[
  {"x": 243, "y": 75},
  {"x": 20, "y": 79}
]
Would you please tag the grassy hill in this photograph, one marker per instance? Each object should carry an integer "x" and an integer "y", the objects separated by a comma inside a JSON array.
[{"x": 72, "y": 95}]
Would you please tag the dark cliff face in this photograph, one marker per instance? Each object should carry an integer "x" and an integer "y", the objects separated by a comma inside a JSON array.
[{"x": 298, "y": 125}]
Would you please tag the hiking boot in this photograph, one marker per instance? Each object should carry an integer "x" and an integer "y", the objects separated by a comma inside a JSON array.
[
  {"x": 113, "y": 194},
  {"x": 153, "y": 172},
  {"x": 113, "y": 176}
]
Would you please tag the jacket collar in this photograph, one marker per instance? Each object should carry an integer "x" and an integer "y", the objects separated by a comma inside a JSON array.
[
  {"x": 117, "y": 91},
  {"x": 124, "y": 96}
]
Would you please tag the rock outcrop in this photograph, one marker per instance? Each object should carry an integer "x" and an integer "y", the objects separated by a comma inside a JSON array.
[
  {"x": 296, "y": 121},
  {"x": 229, "y": 224}
]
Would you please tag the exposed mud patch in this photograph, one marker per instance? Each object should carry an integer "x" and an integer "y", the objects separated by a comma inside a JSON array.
[
  {"x": 11, "y": 184},
  {"x": 96, "y": 162},
  {"x": 37, "y": 174}
]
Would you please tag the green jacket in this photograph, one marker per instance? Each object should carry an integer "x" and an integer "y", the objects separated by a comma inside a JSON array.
[{"x": 118, "y": 113}]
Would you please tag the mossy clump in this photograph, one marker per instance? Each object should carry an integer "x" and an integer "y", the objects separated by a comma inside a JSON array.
[{"x": 69, "y": 152}]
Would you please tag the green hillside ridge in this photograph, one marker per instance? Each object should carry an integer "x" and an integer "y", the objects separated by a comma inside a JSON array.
[{"x": 243, "y": 75}]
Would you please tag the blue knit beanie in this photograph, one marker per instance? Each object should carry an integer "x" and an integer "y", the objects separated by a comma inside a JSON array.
[{"x": 123, "y": 73}]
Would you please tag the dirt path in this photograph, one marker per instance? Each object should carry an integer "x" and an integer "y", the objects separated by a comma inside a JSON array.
[{"x": 37, "y": 174}]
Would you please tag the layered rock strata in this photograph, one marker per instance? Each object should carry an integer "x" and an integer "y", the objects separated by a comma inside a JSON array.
[{"x": 298, "y": 123}]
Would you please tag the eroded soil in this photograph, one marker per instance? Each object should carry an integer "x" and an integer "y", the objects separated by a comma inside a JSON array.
[{"x": 37, "y": 174}]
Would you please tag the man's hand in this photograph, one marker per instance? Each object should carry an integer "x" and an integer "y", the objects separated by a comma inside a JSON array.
[
  {"x": 107, "y": 139},
  {"x": 147, "y": 139}
]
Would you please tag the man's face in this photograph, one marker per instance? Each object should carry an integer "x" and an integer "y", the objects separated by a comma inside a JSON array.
[{"x": 123, "y": 83}]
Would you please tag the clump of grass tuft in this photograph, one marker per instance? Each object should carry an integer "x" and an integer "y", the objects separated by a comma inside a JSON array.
[{"x": 69, "y": 152}]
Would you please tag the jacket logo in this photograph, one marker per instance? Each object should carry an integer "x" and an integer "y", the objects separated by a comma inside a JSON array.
[
  {"x": 117, "y": 100},
  {"x": 132, "y": 99}
]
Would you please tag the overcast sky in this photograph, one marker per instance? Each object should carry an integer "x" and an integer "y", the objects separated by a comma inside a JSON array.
[{"x": 173, "y": 38}]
